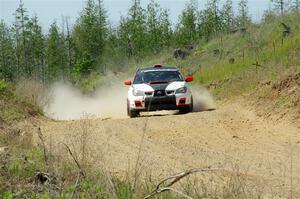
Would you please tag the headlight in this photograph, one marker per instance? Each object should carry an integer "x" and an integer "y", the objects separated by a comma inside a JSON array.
[
  {"x": 138, "y": 93},
  {"x": 181, "y": 90}
]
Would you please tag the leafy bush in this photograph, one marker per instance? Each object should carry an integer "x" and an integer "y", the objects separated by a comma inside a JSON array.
[{"x": 5, "y": 90}]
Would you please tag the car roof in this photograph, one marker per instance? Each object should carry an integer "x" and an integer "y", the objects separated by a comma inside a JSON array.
[{"x": 173, "y": 68}]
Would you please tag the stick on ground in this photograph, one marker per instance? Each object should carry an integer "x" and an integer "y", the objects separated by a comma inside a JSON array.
[{"x": 174, "y": 179}]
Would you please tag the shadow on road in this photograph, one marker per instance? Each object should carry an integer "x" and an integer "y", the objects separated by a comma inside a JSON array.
[{"x": 168, "y": 113}]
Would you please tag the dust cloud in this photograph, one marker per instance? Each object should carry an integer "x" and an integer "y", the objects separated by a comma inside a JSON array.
[
  {"x": 69, "y": 103},
  {"x": 203, "y": 100}
]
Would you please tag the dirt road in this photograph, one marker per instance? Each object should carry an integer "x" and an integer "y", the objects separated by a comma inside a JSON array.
[{"x": 231, "y": 135}]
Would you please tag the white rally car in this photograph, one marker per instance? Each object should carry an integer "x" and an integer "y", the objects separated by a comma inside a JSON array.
[{"x": 159, "y": 88}]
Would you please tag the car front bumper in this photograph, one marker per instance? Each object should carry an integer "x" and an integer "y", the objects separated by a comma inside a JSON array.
[{"x": 168, "y": 102}]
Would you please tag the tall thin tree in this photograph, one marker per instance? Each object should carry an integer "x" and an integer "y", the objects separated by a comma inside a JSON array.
[
  {"x": 186, "y": 28},
  {"x": 243, "y": 18},
  {"x": 21, "y": 37},
  {"x": 7, "y": 53},
  {"x": 279, "y": 4}
]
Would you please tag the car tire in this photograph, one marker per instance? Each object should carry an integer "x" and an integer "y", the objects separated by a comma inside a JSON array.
[
  {"x": 132, "y": 113},
  {"x": 191, "y": 105},
  {"x": 187, "y": 109}
]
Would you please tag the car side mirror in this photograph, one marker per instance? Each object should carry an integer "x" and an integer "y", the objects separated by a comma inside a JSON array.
[
  {"x": 189, "y": 78},
  {"x": 127, "y": 82}
]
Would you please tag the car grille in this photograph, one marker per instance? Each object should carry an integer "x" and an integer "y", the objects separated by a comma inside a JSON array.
[
  {"x": 169, "y": 101},
  {"x": 159, "y": 93},
  {"x": 161, "y": 103}
]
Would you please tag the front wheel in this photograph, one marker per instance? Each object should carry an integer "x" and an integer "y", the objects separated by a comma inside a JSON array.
[
  {"x": 132, "y": 113},
  {"x": 187, "y": 109}
]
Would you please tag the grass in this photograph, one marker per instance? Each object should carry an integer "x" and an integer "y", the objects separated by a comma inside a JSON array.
[
  {"x": 13, "y": 107},
  {"x": 263, "y": 44}
]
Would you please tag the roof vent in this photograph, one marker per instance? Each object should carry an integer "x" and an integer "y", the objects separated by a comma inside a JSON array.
[{"x": 157, "y": 65}]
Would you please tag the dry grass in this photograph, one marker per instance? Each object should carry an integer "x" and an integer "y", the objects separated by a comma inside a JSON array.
[
  {"x": 78, "y": 167},
  {"x": 34, "y": 92},
  {"x": 61, "y": 166}
]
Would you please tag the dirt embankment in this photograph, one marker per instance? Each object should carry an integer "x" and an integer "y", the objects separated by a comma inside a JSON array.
[{"x": 279, "y": 98}]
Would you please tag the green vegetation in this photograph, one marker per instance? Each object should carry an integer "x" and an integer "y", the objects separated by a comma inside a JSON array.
[
  {"x": 234, "y": 64},
  {"x": 93, "y": 46},
  {"x": 12, "y": 107},
  {"x": 85, "y": 52}
]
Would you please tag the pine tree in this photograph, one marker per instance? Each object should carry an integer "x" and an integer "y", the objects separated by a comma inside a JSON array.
[
  {"x": 132, "y": 31},
  {"x": 137, "y": 28},
  {"x": 186, "y": 28},
  {"x": 36, "y": 48},
  {"x": 209, "y": 21},
  {"x": 227, "y": 16},
  {"x": 7, "y": 53},
  {"x": 166, "y": 29},
  {"x": 102, "y": 23},
  {"x": 113, "y": 52},
  {"x": 21, "y": 38},
  {"x": 215, "y": 18},
  {"x": 153, "y": 29},
  {"x": 56, "y": 59},
  {"x": 158, "y": 27},
  {"x": 89, "y": 37},
  {"x": 296, "y": 5},
  {"x": 279, "y": 4},
  {"x": 69, "y": 46},
  {"x": 243, "y": 18},
  {"x": 124, "y": 37}
]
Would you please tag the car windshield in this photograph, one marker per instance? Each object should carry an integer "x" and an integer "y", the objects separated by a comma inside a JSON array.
[{"x": 157, "y": 76}]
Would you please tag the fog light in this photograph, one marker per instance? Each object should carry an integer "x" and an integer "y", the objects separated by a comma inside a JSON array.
[
  {"x": 138, "y": 103},
  {"x": 182, "y": 101}
]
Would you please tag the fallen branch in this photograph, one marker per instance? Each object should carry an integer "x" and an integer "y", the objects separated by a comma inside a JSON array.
[
  {"x": 175, "y": 191},
  {"x": 75, "y": 160},
  {"x": 174, "y": 179}
]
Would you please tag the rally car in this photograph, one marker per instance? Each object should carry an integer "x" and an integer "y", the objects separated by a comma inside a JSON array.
[{"x": 159, "y": 88}]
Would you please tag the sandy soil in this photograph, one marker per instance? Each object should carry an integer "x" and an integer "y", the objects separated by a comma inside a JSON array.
[{"x": 164, "y": 144}]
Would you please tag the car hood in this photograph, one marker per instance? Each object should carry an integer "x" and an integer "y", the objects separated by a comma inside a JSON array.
[{"x": 164, "y": 86}]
